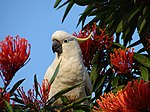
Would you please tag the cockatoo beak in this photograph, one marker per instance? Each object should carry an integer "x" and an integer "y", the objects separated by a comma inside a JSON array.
[
  {"x": 84, "y": 39},
  {"x": 57, "y": 47}
]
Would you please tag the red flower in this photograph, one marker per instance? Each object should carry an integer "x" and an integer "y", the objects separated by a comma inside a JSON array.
[
  {"x": 122, "y": 60},
  {"x": 134, "y": 98},
  {"x": 45, "y": 89},
  {"x": 31, "y": 98},
  {"x": 3, "y": 96},
  {"x": 100, "y": 41},
  {"x": 13, "y": 55}
]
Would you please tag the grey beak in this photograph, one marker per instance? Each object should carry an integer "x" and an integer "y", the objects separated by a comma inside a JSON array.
[{"x": 56, "y": 47}]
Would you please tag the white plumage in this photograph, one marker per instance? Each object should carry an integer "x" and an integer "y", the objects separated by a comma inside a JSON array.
[{"x": 72, "y": 70}]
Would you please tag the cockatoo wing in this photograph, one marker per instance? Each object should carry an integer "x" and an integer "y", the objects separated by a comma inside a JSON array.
[{"x": 88, "y": 84}]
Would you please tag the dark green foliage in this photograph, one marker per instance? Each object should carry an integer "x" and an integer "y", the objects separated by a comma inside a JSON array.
[
  {"x": 121, "y": 18},
  {"x": 16, "y": 86}
]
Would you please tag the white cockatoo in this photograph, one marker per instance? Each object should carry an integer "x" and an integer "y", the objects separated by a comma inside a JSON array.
[{"x": 71, "y": 70}]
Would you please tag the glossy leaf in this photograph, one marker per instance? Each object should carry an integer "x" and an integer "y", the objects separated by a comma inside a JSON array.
[
  {"x": 76, "y": 103},
  {"x": 118, "y": 88},
  {"x": 69, "y": 6},
  {"x": 94, "y": 74},
  {"x": 57, "y": 3},
  {"x": 55, "y": 73},
  {"x": 133, "y": 13},
  {"x": 36, "y": 86},
  {"x": 79, "y": 111},
  {"x": 144, "y": 73},
  {"x": 141, "y": 50},
  {"x": 60, "y": 93},
  {"x": 49, "y": 108},
  {"x": 118, "y": 45},
  {"x": 127, "y": 35},
  {"x": 100, "y": 83},
  {"x": 135, "y": 43},
  {"x": 84, "y": 15},
  {"x": 8, "y": 106},
  {"x": 142, "y": 59},
  {"x": 16, "y": 86},
  {"x": 115, "y": 81},
  {"x": 117, "y": 37},
  {"x": 17, "y": 100},
  {"x": 142, "y": 25},
  {"x": 120, "y": 27},
  {"x": 64, "y": 100},
  {"x": 65, "y": 3},
  {"x": 82, "y": 2}
]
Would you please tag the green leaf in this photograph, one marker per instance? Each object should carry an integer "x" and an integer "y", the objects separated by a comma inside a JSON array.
[
  {"x": 133, "y": 13},
  {"x": 144, "y": 73},
  {"x": 100, "y": 83},
  {"x": 144, "y": 10},
  {"x": 95, "y": 69},
  {"x": 118, "y": 88},
  {"x": 120, "y": 27},
  {"x": 64, "y": 100},
  {"x": 60, "y": 93},
  {"x": 81, "y": 2},
  {"x": 141, "y": 50},
  {"x": 79, "y": 111},
  {"x": 8, "y": 106},
  {"x": 50, "y": 108},
  {"x": 109, "y": 18},
  {"x": 32, "y": 107},
  {"x": 126, "y": 21},
  {"x": 76, "y": 103},
  {"x": 67, "y": 10},
  {"x": 115, "y": 81},
  {"x": 16, "y": 86},
  {"x": 117, "y": 38},
  {"x": 94, "y": 74},
  {"x": 142, "y": 59},
  {"x": 36, "y": 86},
  {"x": 142, "y": 25},
  {"x": 135, "y": 43},
  {"x": 55, "y": 73},
  {"x": 63, "y": 4},
  {"x": 17, "y": 100},
  {"x": 119, "y": 45},
  {"x": 57, "y": 3},
  {"x": 85, "y": 14}
]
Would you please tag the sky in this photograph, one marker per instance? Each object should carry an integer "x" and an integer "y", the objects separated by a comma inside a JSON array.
[{"x": 35, "y": 20}]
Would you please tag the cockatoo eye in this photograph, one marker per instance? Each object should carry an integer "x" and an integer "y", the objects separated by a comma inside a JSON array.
[{"x": 65, "y": 41}]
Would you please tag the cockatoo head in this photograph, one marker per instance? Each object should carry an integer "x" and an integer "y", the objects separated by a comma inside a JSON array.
[{"x": 63, "y": 40}]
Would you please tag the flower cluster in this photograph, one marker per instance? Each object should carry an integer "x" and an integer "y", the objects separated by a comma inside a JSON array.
[
  {"x": 13, "y": 55},
  {"x": 3, "y": 96},
  {"x": 39, "y": 100},
  {"x": 134, "y": 98},
  {"x": 122, "y": 60},
  {"x": 99, "y": 42}
]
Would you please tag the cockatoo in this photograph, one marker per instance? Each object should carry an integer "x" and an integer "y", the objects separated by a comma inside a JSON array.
[{"x": 71, "y": 70}]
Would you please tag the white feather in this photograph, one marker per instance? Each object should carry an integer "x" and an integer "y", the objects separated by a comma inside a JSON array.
[{"x": 72, "y": 70}]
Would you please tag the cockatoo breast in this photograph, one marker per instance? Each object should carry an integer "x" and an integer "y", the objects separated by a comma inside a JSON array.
[{"x": 71, "y": 66}]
